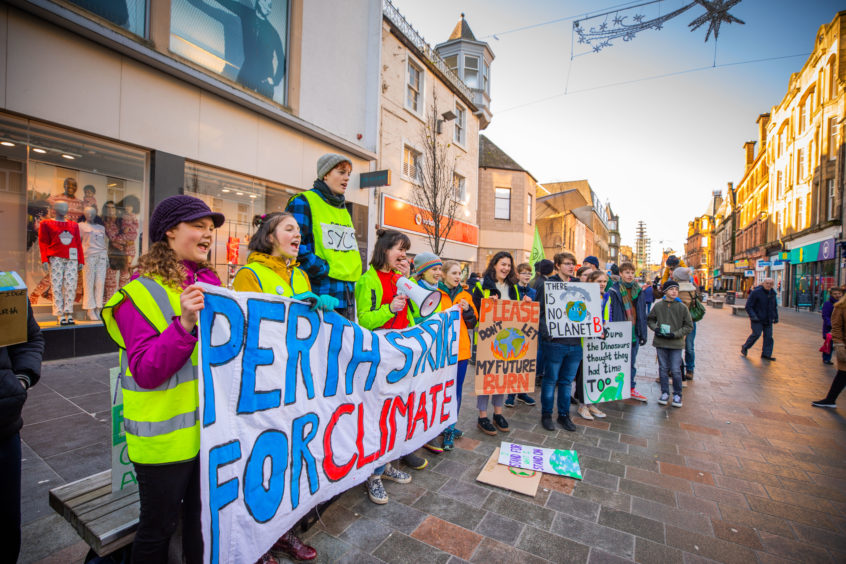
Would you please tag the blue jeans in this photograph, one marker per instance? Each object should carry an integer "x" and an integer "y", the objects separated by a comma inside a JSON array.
[
  {"x": 757, "y": 329},
  {"x": 689, "y": 353},
  {"x": 562, "y": 362},
  {"x": 669, "y": 364},
  {"x": 459, "y": 383}
]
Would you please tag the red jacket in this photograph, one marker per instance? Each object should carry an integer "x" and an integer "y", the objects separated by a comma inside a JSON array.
[{"x": 60, "y": 239}]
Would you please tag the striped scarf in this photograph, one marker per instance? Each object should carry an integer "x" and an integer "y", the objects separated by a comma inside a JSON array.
[{"x": 629, "y": 293}]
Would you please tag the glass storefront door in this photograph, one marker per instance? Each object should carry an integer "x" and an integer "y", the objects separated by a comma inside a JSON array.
[{"x": 812, "y": 282}]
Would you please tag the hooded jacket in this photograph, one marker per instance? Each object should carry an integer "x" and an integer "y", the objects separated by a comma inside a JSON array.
[
  {"x": 23, "y": 359},
  {"x": 245, "y": 280}
]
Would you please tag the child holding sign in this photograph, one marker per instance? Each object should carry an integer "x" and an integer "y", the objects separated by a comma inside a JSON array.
[
  {"x": 153, "y": 320},
  {"x": 671, "y": 321}
]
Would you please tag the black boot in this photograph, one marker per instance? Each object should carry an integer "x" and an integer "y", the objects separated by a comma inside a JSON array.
[
  {"x": 546, "y": 421},
  {"x": 567, "y": 423}
]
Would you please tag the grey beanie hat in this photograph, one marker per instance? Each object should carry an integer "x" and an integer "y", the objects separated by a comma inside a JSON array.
[
  {"x": 329, "y": 161},
  {"x": 681, "y": 274}
]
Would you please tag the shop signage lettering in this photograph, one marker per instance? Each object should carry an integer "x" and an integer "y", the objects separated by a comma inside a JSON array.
[
  {"x": 573, "y": 309},
  {"x": 506, "y": 353},
  {"x": 297, "y": 406}
]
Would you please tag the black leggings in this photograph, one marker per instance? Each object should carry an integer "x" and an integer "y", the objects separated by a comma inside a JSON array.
[
  {"x": 837, "y": 386},
  {"x": 166, "y": 490}
]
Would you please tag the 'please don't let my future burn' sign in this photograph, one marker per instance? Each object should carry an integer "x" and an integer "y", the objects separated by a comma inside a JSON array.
[{"x": 298, "y": 406}]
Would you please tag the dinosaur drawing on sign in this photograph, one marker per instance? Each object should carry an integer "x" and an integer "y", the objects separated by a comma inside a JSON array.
[{"x": 613, "y": 393}]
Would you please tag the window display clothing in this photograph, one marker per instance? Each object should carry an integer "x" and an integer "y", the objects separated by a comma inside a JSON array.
[
  {"x": 61, "y": 245},
  {"x": 75, "y": 205},
  {"x": 95, "y": 247},
  {"x": 122, "y": 234}
]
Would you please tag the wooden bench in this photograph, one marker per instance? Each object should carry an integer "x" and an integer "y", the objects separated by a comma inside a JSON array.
[
  {"x": 106, "y": 521},
  {"x": 739, "y": 310}
]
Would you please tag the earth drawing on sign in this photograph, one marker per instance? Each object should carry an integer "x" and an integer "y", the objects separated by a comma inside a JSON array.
[
  {"x": 509, "y": 344},
  {"x": 576, "y": 299},
  {"x": 566, "y": 463}
]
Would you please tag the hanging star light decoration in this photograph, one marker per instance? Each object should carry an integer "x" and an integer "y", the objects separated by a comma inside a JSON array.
[{"x": 600, "y": 36}]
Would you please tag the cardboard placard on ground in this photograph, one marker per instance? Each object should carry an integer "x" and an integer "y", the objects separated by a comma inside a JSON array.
[
  {"x": 123, "y": 471},
  {"x": 607, "y": 364},
  {"x": 515, "y": 479},
  {"x": 507, "y": 351},
  {"x": 547, "y": 460},
  {"x": 13, "y": 318},
  {"x": 573, "y": 309}
]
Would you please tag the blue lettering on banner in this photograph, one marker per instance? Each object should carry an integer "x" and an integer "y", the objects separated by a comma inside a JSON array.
[
  {"x": 300, "y": 453},
  {"x": 216, "y": 306},
  {"x": 416, "y": 333},
  {"x": 263, "y": 502},
  {"x": 395, "y": 376},
  {"x": 251, "y": 400},
  {"x": 336, "y": 339},
  {"x": 360, "y": 356},
  {"x": 432, "y": 328},
  {"x": 221, "y": 495},
  {"x": 299, "y": 351},
  {"x": 452, "y": 337}
]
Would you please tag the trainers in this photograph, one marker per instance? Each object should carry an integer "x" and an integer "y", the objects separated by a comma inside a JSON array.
[
  {"x": 690, "y": 374},
  {"x": 456, "y": 432},
  {"x": 584, "y": 412},
  {"x": 414, "y": 461},
  {"x": 500, "y": 422},
  {"x": 433, "y": 446},
  {"x": 743, "y": 351},
  {"x": 449, "y": 442},
  {"x": 663, "y": 399},
  {"x": 485, "y": 426},
  {"x": 546, "y": 421},
  {"x": 397, "y": 475},
  {"x": 677, "y": 402},
  {"x": 824, "y": 403},
  {"x": 638, "y": 396},
  {"x": 596, "y": 412},
  {"x": 509, "y": 400},
  {"x": 376, "y": 491},
  {"x": 527, "y": 399},
  {"x": 567, "y": 423}
]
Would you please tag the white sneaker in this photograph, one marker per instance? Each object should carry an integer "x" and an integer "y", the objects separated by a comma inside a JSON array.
[
  {"x": 584, "y": 412},
  {"x": 396, "y": 475},
  {"x": 376, "y": 491},
  {"x": 677, "y": 401},
  {"x": 663, "y": 399},
  {"x": 596, "y": 412}
]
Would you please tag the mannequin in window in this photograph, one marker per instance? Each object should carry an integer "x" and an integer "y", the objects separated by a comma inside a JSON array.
[
  {"x": 88, "y": 198},
  {"x": 68, "y": 196},
  {"x": 115, "y": 254},
  {"x": 95, "y": 248},
  {"x": 61, "y": 256}
]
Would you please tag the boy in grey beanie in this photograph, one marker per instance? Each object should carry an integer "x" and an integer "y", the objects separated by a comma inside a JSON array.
[{"x": 671, "y": 322}]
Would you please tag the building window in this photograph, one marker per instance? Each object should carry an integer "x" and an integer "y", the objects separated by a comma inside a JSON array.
[
  {"x": 452, "y": 63},
  {"x": 129, "y": 14},
  {"x": 486, "y": 86},
  {"x": 802, "y": 115},
  {"x": 414, "y": 88},
  {"x": 779, "y": 185},
  {"x": 779, "y": 224},
  {"x": 830, "y": 197},
  {"x": 800, "y": 213},
  {"x": 832, "y": 138},
  {"x": 471, "y": 71},
  {"x": 530, "y": 217},
  {"x": 460, "y": 124},
  {"x": 800, "y": 165},
  {"x": 411, "y": 164},
  {"x": 460, "y": 186},
  {"x": 502, "y": 203},
  {"x": 780, "y": 143}
]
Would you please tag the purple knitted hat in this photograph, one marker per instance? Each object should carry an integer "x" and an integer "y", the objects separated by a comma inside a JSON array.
[{"x": 174, "y": 210}]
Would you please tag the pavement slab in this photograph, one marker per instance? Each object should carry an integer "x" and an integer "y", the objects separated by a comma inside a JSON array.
[{"x": 747, "y": 471}]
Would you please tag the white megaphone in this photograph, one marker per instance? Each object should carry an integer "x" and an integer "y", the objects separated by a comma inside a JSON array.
[{"x": 427, "y": 301}]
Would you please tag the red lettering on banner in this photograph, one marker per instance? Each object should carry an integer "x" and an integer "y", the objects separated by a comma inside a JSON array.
[
  {"x": 487, "y": 306},
  {"x": 509, "y": 383},
  {"x": 434, "y": 390},
  {"x": 383, "y": 426},
  {"x": 359, "y": 441},
  {"x": 333, "y": 471},
  {"x": 406, "y": 410},
  {"x": 421, "y": 415},
  {"x": 447, "y": 399}
]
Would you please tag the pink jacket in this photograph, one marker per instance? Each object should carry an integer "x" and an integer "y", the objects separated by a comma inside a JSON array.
[{"x": 153, "y": 358}]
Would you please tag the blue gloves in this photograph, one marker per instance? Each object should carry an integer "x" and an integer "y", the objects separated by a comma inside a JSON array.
[{"x": 323, "y": 303}]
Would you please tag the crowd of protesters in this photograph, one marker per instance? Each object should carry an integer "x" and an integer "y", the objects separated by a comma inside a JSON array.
[{"x": 153, "y": 319}]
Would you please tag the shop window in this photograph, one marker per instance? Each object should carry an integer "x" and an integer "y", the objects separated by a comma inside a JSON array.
[
  {"x": 502, "y": 203},
  {"x": 242, "y": 41},
  {"x": 71, "y": 197},
  {"x": 239, "y": 198},
  {"x": 128, "y": 14}
]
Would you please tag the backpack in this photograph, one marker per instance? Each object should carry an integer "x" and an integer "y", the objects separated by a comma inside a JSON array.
[{"x": 697, "y": 310}]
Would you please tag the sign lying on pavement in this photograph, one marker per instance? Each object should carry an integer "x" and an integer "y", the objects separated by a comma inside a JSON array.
[
  {"x": 547, "y": 460},
  {"x": 607, "y": 364},
  {"x": 517, "y": 480},
  {"x": 298, "y": 406}
]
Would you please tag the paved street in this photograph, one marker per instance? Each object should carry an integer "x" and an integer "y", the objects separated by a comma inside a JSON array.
[{"x": 745, "y": 472}]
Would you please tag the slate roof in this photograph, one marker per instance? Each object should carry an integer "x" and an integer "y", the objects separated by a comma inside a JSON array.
[
  {"x": 462, "y": 31},
  {"x": 491, "y": 156}
]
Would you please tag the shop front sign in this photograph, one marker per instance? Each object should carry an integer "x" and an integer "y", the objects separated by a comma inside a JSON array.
[{"x": 403, "y": 215}]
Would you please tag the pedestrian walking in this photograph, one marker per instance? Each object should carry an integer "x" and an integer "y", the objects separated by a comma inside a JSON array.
[
  {"x": 648, "y": 296},
  {"x": 628, "y": 303},
  {"x": 671, "y": 322},
  {"x": 763, "y": 314},
  {"x": 20, "y": 369},
  {"x": 838, "y": 341},
  {"x": 153, "y": 320},
  {"x": 561, "y": 355},
  {"x": 688, "y": 294},
  {"x": 328, "y": 250},
  {"x": 834, "y": 295}
]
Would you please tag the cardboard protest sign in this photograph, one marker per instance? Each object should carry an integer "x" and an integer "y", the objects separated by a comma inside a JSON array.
[
  {"x": 607, "y": 364},
  {"x": 123, "y": 471},
  {"x": 298, "y": 406},
  {"x": 548, "y": 460},
  {"x": 13, "y": 309},
  {"x": 507, "y": 351},
  {"x": 515, "y": 479},
  {"x": 573, "y": 309}
]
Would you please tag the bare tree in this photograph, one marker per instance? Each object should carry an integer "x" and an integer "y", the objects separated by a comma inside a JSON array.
[{"x": 436, "y": 197}]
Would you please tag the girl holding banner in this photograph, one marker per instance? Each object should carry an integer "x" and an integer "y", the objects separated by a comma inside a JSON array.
[
  {"x": 499, "y": 282},
  {"x": 153, "y": 320},
  {"x": 380, "y": 306},
  {"x": 272, "y": 269}
]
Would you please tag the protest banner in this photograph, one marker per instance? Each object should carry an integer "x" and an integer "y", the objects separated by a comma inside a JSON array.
[
  {"x": 518, "y": 480},
  {"x": 547, "y": 460},
  {"x": 573, "y": 309},
  {"x": 123, "y": 471},
  {"x": 298, "y": 406},
  {"x": 506, "y": 353},
  {"x": 607, "y": 364}
]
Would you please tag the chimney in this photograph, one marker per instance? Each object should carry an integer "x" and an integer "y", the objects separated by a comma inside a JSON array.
[
  {"x": 749, "y": 148},
  {"x": 762, "y": 121}
]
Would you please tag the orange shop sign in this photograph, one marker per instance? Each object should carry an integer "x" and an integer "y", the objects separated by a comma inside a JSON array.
[{"x": 402, "y": 215}]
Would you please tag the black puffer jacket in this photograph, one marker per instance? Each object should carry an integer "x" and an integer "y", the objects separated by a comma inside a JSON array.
[{"x": 23, "y": 359}]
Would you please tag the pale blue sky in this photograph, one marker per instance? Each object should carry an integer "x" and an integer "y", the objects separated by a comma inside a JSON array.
[{"x": 654, "y": 148}]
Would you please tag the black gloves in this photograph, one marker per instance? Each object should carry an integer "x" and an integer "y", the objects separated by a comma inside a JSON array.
[{"x": 641, "y": 341}]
